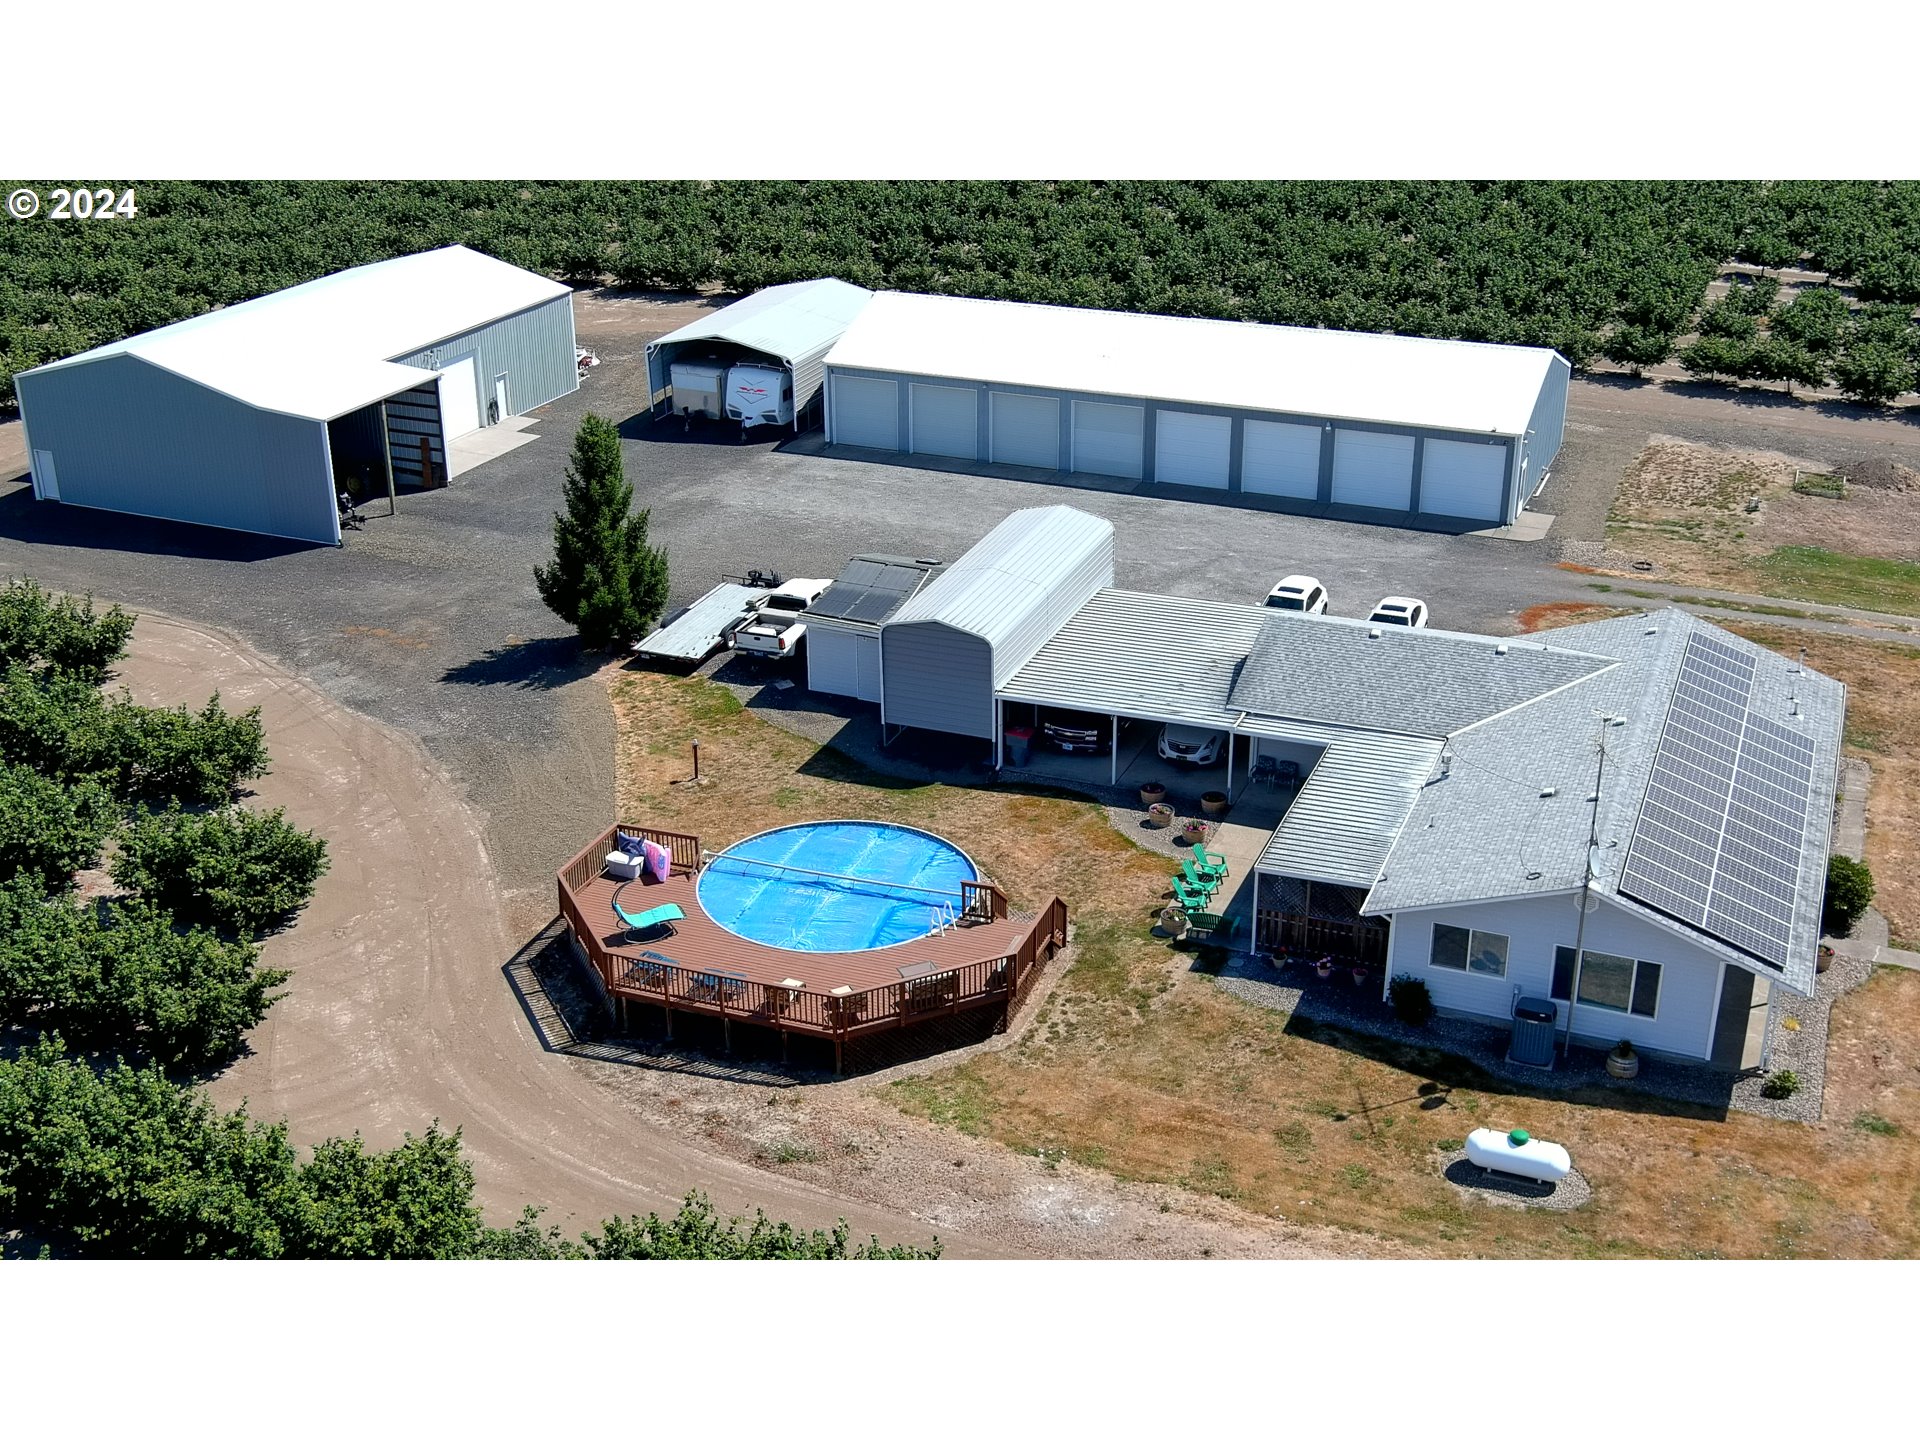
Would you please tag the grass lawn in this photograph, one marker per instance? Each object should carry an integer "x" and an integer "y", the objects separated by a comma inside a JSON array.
[
  {"x": 1806, "y": 572},
  {"x": 1138, "y": 1066}
]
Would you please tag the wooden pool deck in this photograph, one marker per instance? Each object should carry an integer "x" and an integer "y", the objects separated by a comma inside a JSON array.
[{"x": 990, "y": 958}]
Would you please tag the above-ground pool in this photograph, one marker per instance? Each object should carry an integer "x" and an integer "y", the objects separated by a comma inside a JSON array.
[{"x": 835, "y": 885}]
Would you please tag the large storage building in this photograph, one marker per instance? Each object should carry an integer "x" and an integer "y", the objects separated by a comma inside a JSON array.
[
  {"x": 254, "y": 417},
  {"x": 1385, "y": 423},
  {"x": 789, "y": 327}
]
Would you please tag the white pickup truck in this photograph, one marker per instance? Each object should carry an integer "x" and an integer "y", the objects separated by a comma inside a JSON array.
[{"x": 773, "y": 627}]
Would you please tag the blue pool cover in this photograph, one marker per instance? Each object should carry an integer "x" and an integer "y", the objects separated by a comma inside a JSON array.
[{"x": 838, "y": 885}]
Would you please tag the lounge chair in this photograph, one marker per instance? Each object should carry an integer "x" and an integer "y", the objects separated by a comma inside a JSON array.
[
  {"x": 659, "y": 917},
  {"x": 1190, "y": 898},
  {"x": 1208, "y": 863},
  {"x": 1198, "y": 878}
]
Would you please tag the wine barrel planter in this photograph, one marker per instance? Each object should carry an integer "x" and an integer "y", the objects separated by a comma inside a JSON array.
[
  {"x": 1623, "y": 1067},
  {"x": 1214, "y": 803},
  {"x": 1825, "y": 959},
  {"x": 1159, "y": 816}
]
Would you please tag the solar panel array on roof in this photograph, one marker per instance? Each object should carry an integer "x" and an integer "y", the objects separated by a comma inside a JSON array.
[
  {"x": 870, "y": 588},
  {"x": 1718, "y": 843}
]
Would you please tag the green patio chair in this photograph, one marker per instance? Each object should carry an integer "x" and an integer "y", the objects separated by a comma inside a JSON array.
[
  {"x": 1190, "y": 898},
  {"x": 1197, "y": 877},
  {"x": 1207, "y": 862}
]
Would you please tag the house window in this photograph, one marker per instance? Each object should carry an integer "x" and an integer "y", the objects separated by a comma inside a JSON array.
[
  {"x": 1475, "y": 951},
  {"x": 1608, "y": 982}
]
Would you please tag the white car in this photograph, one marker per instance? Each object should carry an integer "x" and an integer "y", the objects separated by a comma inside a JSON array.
[
  {"x": 1400, "y": 610},
  {"x": 1300, "y": 593},
  {"x": 1189, "y": 744},
  {"x": 772, "y": 628}
]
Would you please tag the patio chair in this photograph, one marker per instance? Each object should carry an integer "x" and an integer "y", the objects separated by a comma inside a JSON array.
[
  {"x": 658, "y": 918},
  {"x": 1208, "y": 862},
  {"x": 1196, "y": 877},
  {"x": 1190, "y": 899},
  {"x": 1266, "y": 771}
]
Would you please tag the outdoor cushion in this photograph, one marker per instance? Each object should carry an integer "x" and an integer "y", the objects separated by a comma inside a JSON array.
[{"x": 658, "y": 862}]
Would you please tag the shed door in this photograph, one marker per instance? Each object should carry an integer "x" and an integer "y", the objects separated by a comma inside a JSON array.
[
  {"x": 946, "y": 421},
  {"x": 1109, "y": 439},
  {"x": 866, "y": 654},
  {"x": 459, "y": 399},
  {"x": 1371, "y": 469},
  {"x": 1025, "y": 430},
  {"x": 46, "y": 480},
  {"x": 832, "y": 661},
  {"x": 1463, "y": 477},
  {"x": 1280, "y": 459},
  {"x": 1192, "y": 449},
  {"x": 866, "y": 412}
]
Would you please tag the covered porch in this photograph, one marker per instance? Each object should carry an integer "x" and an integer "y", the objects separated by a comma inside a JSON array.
[{"x": 1295, "y": 915}]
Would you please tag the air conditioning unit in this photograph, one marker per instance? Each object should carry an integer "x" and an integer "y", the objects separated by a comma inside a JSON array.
[{"x": 1534, "y": 1027}]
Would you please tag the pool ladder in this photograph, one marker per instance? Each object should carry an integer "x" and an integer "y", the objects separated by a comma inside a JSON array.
[{"x": 943, "y": 920}]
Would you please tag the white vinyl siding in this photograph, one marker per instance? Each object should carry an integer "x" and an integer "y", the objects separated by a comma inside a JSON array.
[
  {"x": 1462, "y": 477},
  {"x": 459, "y": 400},
  {"x": 1280, "y": 459},
  {"x": 946, "y": 421},
  {"x": 1109, "y": 439},
  {"x": 866, "y": 412},
  {"x": 1372, "y": 469},
  {"x": 1026, "y": 430},
  {"x": 1191, "y": 449}
]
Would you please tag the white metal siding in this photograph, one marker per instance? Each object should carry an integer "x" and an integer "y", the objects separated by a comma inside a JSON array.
[
  {"x": 1109, "y": 439},
  {"x": 937, "y": 678},
  {"x": 1689, "y": 979},
  {"x": 834, "y": 661},
  {"x": 866, "y": 412},
  {"x": 1462, "y": 477},
  {"x": 1026, "y": 430},
  {"x": 1372, "y": 469},
  {"x": 1191, "y": 449},
  {"x": 459, "y": 400},
  {"x": 1280, "y": 459},
  {"x": 946, "y": 421}
]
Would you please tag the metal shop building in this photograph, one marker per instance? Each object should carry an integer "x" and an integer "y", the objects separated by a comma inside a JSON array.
[
  {"x": 254, "y": 417},
  {"x": 787, "y": 327},
  {"x": 1390, "y": 424}
]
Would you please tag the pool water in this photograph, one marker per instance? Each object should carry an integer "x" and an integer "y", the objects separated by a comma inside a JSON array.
[{"x": 835, "y": 885}]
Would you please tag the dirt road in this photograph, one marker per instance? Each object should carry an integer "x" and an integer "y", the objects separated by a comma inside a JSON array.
[{"x": 398, "y": 1012}]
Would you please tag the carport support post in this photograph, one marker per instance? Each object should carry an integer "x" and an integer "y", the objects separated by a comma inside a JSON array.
[
  {"x": 1115, "y": 781},
  {"x": 386, "y": 456},
  {"x": 999, "y": 732}
]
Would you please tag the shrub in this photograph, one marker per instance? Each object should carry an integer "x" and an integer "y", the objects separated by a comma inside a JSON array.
[
  {"x": 1780, "y": 1085},
  {"x": 1412, "y": 1001},
  {"x": 1638, "y": 346},
  {"x": 1873, "y": 371},
  {"x": 49, "y": 830},
  {"x": 53, "y": 723},
  {"x": 1849, "y": 893},
  {"x": 236, "y": 870},
  {"x": 59, "y": 633},
  {"x": 179, "y": 755},
  {"x": 123, "y": 977}
]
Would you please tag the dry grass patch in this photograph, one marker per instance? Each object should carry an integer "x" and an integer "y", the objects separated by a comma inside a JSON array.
[
  {"x": 1556, "y": 614},
  {"x": 1137, "y": 1066}
]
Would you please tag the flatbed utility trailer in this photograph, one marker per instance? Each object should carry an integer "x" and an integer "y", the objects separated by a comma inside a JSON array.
[{"x": 703, "y": 627}]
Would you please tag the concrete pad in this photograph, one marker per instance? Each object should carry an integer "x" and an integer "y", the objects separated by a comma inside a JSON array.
[
  {"x": 489, "y": 442},
  {"x": 1531, "y": 526}
]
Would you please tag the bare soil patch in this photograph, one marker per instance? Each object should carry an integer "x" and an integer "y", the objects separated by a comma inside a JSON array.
[{"x": 1560, "y": 613}]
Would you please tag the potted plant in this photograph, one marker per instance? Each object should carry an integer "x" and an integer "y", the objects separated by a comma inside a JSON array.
[
  {"x": 1360, "y": 973},
  {"x": 1825, "y": 959},
  {"x": 1173, "y": 920},
  {"x": 1323, "y": 967},
  {"x": 1214, "y": 802},
  {"x": 1152, "y": 793},
  {"x": 1159, "y": 815},
  {"x": 1194, "y": 831},
  {"x": 1623, "y": 1063}
]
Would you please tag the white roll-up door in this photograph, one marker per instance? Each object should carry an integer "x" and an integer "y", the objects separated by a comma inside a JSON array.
[
  {"x": 1109, "y": 439},
  {"x": 1025, "y": 430},
  {"x": 946, "y": 421},
  {"x": 866, "y": 412},
  {"x": 1463, "y": 477},
  {"x": 459, "y": 399},
  {"x": 1280, "y": 459},
  {"x": 1372, "y": 469},
  {"x": 866, "y": 655},
  {"x": 1192, "y": 449},
  {"x": 833, "y": 661}
]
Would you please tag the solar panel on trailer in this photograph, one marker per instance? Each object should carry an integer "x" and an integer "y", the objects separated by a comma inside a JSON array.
[{"x": 1718, "y": 843}]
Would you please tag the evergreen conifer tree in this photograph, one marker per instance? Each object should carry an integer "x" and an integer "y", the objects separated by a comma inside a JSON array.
[{"x": 605, "y": 579}]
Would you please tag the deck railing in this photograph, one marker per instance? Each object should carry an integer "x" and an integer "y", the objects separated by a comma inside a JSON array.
[{"x": 1364, "y": 940}]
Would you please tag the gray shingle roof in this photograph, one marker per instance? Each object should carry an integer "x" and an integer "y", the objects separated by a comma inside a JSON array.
[
  {"x": 1389, "y": 677},
  {"x": 1487, "y": 830}
]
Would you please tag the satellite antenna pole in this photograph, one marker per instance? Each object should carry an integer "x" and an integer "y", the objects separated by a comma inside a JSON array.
[{"x": 1586, "y": 887}]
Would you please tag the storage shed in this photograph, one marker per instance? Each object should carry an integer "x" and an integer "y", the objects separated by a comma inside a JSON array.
[
  {"x": 1386, "y": 423},
  {"x": 254, "y": 417},
  {"x": 948, "y": 649},
  {"x": 791, "y": 327},
  {"x": 843, "y": 625}
]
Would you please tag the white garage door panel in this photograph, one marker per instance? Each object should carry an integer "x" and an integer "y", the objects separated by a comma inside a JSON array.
[
  {"x": 866, "y": 649},
  {"x": 1462, "y": 477},
  {"x": 1192, "y": 449},
  {"x": 1026, "y": 430},
  {"x": 866, "y": 412},
  {"x": 1279, "y": 459},
  {"x": 1109, "y": 439},
  {"x": 459, "y": 401},
  {"x": 946, "y": 421},
  {"x": 833, "y": 661},
  {"x": 1370, "y": 469}
]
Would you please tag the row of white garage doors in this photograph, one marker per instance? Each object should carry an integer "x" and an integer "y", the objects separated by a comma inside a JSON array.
[{"x": 1464, "y": 478}]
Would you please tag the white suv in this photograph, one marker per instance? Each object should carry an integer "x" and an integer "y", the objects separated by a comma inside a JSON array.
[
  {"x": 1400, "y": 610},
  {"x": 1300, "y": 593}
]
